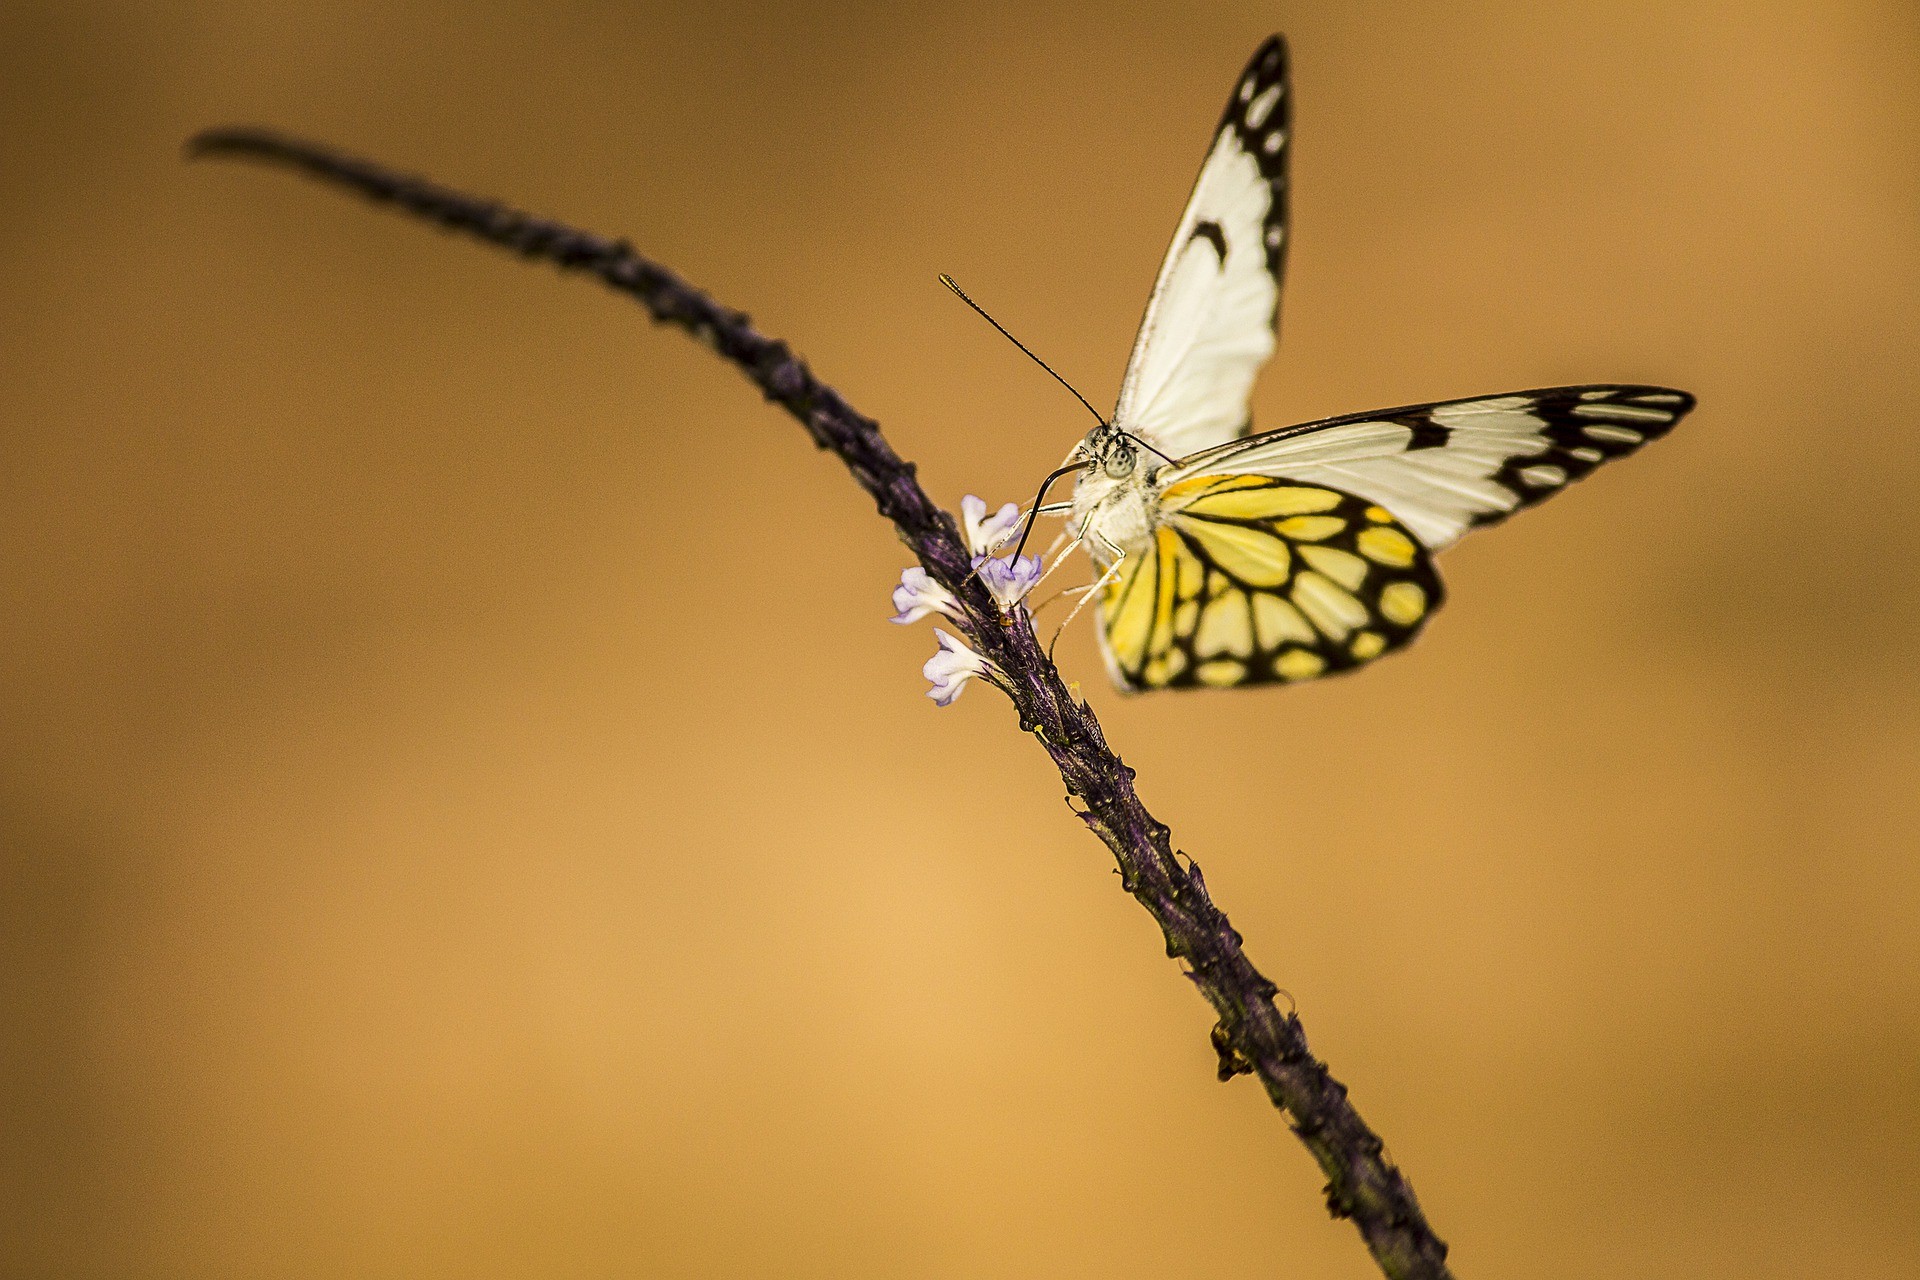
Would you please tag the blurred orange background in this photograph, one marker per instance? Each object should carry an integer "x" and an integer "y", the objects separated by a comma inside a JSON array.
[{"x": 464, "y": 813}]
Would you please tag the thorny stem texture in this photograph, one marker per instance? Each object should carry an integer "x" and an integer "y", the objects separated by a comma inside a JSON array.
[{"x": 1252, "y": 1035}]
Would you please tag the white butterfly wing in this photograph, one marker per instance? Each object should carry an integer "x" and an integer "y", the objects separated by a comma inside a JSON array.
[
  {"x": 1211, "y": 318},
  {"x": 1444, "y": 468}
]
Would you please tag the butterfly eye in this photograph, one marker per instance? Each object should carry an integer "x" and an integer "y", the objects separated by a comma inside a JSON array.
[{"x": 1119, "y": 464}]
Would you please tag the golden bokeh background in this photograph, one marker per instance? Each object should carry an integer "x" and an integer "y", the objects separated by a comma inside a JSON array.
[{"x": 463, "y": 812}]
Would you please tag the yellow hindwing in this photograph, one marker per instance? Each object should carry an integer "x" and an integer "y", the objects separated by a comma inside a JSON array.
[{"x": 1254, "y": 580}]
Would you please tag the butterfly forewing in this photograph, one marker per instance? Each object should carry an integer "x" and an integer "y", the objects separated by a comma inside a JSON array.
[
  {"x": 1210, "y": 320},
  {"x": 1448, "y": 467},
  {"x": 1252, "y": 580}
]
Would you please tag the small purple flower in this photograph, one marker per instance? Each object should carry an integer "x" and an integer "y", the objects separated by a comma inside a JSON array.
[
  {"x": 1010, "y": 579},
  {"x": 919, "y": 595},
  {"x": 985, "y": 533},
  {"x": 949, "y": 669}
]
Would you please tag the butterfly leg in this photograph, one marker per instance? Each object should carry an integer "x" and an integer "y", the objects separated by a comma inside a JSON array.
[
  {"x": 1119, "y": 558},
  {"x": 1056, "y": 555},
  {"x": 1078, "y": 536}
]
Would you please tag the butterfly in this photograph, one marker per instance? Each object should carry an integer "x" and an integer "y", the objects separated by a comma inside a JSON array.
[{"x": 1230, "y": 558}]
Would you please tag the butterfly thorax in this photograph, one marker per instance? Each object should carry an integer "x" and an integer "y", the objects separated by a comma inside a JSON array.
[{"x": 1114, "y": 498}]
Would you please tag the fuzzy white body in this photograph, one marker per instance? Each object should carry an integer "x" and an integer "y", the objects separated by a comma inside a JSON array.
[{"x": 1113, "y": 515}]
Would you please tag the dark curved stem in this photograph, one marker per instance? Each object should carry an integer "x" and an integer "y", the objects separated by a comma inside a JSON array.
[{"x": 1252, "y": 1035}]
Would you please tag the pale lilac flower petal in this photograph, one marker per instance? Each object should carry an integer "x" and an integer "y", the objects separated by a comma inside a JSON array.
[
  {"x": 1009, "y": 580},
  {"x": 919, "y": 595},
  {"x": 949, "y": 669},
  {"x": 985, "y": 533}
]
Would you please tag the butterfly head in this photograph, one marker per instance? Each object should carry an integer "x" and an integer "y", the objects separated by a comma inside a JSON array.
[
  {"x": 1108, "y": 451},
  {"x": 1114, "y": 495}
]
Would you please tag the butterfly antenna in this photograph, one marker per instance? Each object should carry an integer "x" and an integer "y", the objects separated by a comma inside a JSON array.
[
  {"x": 960, "y": 293},
  {"x": 1149, "y": 448}
]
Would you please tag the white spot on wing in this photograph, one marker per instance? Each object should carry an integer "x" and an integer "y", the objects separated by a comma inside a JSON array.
[
  {"x": 1601, "y": 394},
  {"x": 1613, "y": 435},
  {"x": 1621, "y": 413},
  {"x": 1275, "y": 235},
  {"x": 1664, "y": 397},
  {"x": 1262, "y": 107},
  {"x": 1272, "y": 143},
  {"x": 1543, "y": 476},
  {"x": 1586, "y": 453}
]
